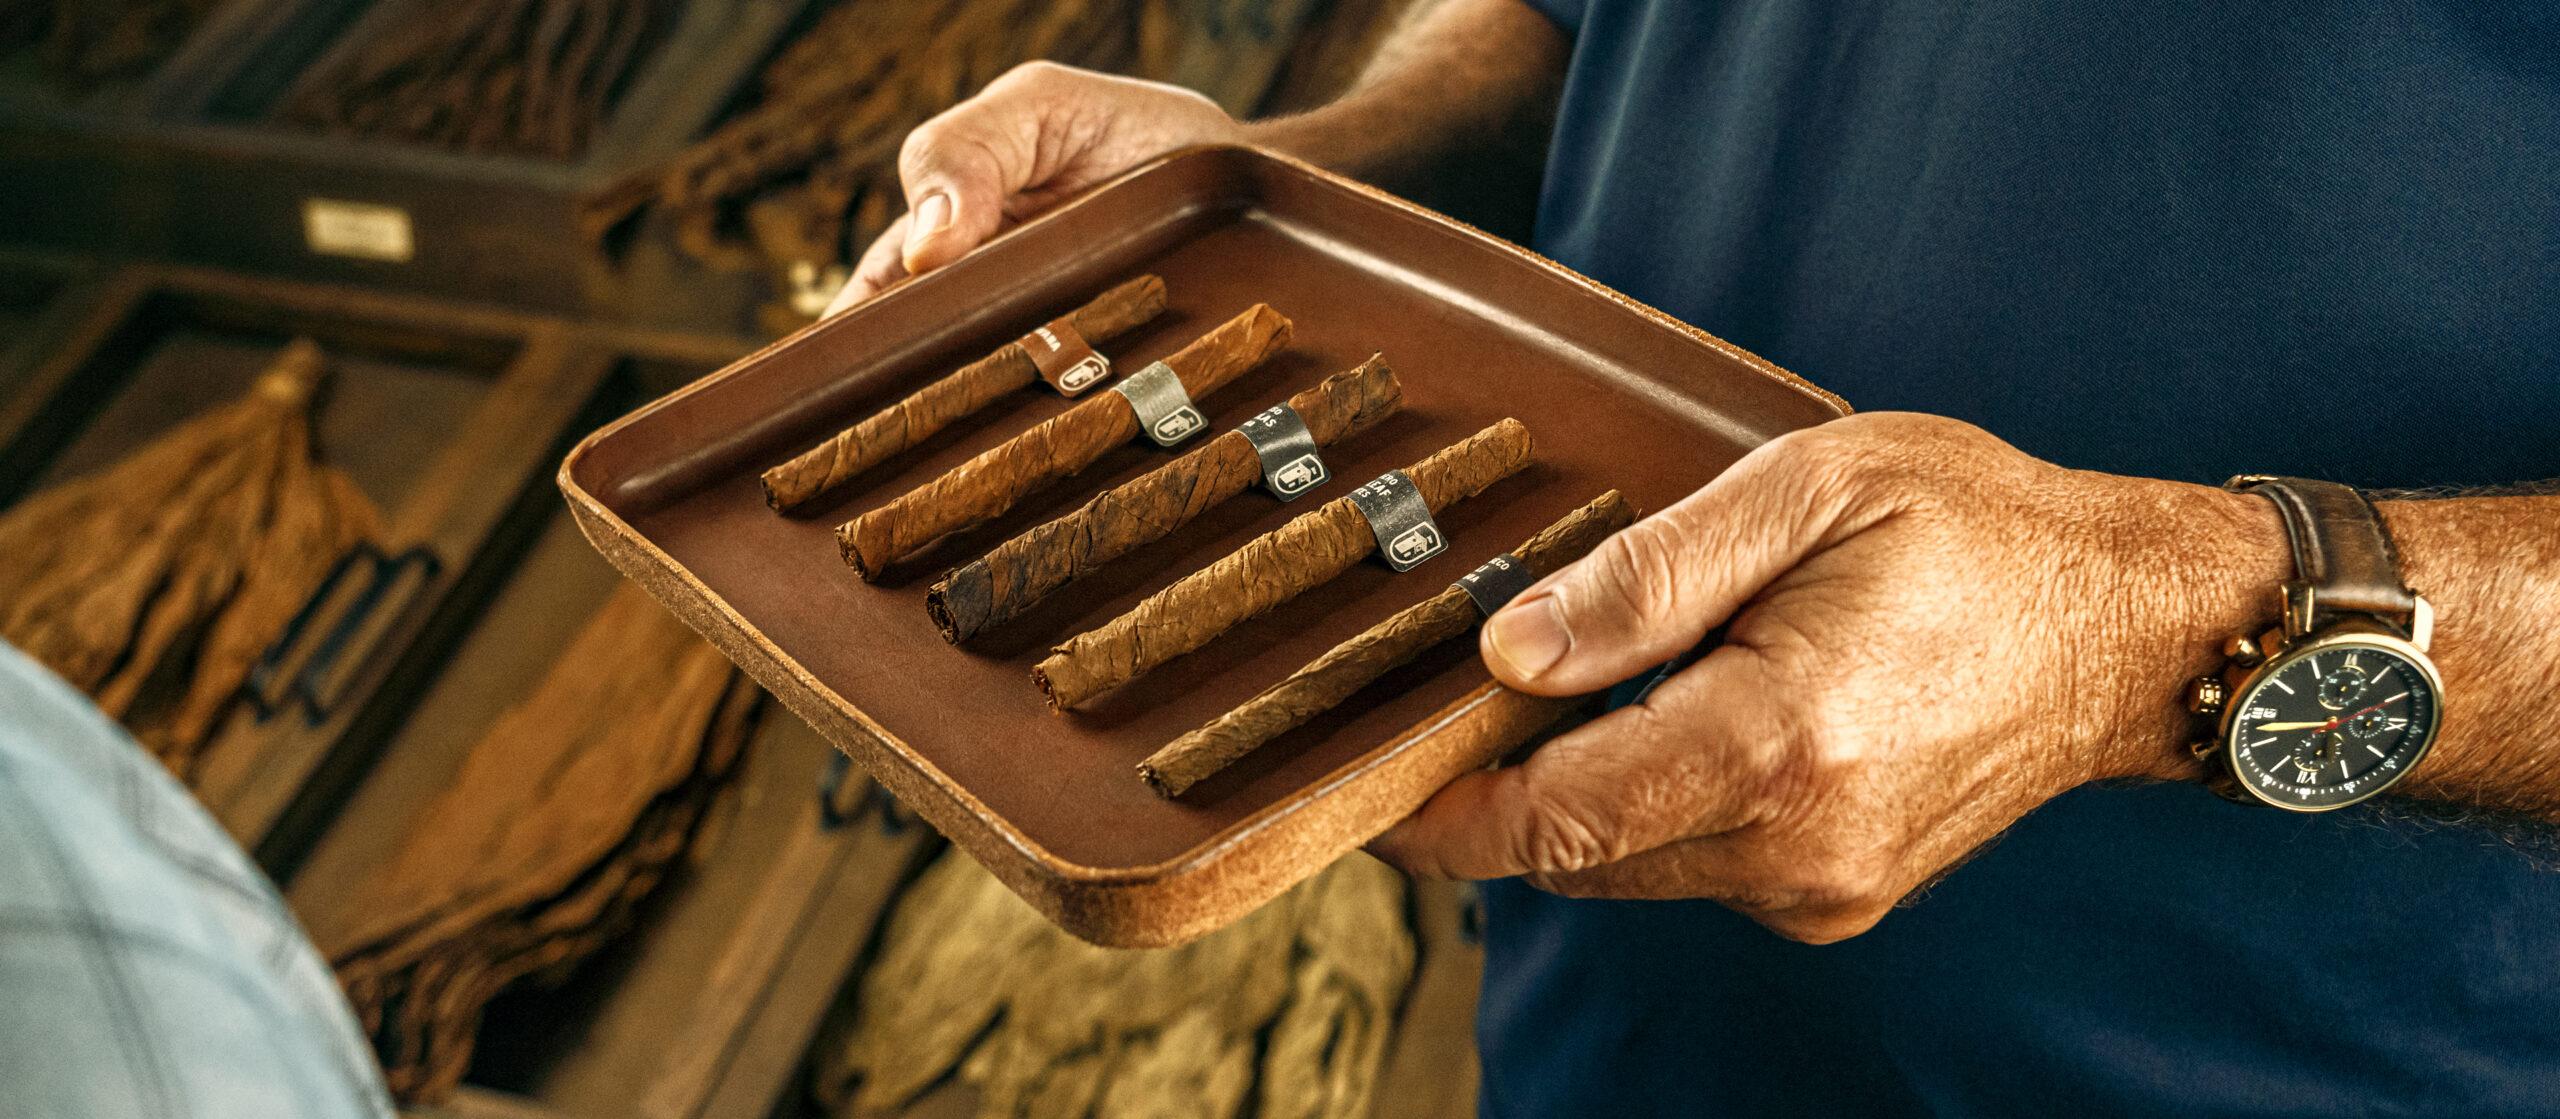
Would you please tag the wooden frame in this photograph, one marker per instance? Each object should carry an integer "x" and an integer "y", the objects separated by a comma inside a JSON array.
[{"x": 177, "y": 168}]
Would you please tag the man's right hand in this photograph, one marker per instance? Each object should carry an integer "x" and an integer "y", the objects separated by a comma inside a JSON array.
[{"x": 1030, "y": 139}]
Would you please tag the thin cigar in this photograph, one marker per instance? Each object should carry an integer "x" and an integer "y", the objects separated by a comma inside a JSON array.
[
  {"x": 936, "y": 406},
  {"x": 982, "y": 488},
  {"x": 1269, "y": 570},
  {"x": 999, "y": 586},
  {"x": 1332, "y": 678}
]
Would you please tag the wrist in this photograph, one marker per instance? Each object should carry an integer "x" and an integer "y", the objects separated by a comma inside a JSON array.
[{"x": 2209, "y": 566}]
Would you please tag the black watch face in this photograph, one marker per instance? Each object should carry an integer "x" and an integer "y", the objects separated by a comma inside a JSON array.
[{"x": 2331, "y": 724}]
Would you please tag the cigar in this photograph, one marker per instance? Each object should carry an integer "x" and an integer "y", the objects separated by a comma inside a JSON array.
[
  {"x": 982, "y": 488},
  {"x": 1018, "y": 574},
  {"x": 1267, "y": 571},
  {"x": 936, "y": 406},
  {"x": 1330, "y": 679}
]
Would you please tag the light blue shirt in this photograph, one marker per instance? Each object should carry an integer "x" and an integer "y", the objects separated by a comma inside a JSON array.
[{"x": 146, "y": 967}]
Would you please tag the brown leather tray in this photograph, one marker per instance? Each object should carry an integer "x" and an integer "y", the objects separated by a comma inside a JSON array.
[{"x": 1614, "y": 393}]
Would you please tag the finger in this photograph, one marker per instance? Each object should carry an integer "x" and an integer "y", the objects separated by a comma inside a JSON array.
[
  {"x": 879, "y": 267},
  {"x": 1654, "y": 590},
  {"x": 959, "y": 168},
  {"x": 1741, "y": 871},
  {"x": 1693, "y": 759}
]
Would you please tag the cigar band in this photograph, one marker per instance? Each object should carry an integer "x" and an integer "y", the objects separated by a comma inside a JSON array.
[
  {"x": 1400, "y": 519},
  {"x": 1064, "y": 358},
  {"x": 1496, "y": 582},
  {"x": 1164, "y": 410},
  {"x": 1290, "y": 465}
]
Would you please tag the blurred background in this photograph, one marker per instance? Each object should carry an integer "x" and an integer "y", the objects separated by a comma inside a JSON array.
[{"x": 300, "y": 303}]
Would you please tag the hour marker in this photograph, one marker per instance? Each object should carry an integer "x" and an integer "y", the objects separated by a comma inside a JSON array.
[
  {"x": 2394, "y": 724},
  {"x": 2342, "y": 769},
  {"x": 2262, "y": 742},
  {"x": 2351, "y": 659},
  {"x": 2279, "y": 682},
  {"x": 2315, "y": 666},
  {"x": 2377, "y": 750},
  {"x": 2394, "y": 699}
]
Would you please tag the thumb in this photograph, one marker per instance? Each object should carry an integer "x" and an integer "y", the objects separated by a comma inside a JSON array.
[
  {"x": 1654, "y": 590},
  {"x": 957, "y": 170}
]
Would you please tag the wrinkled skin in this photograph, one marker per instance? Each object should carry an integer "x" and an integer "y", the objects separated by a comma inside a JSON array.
[{"x": 1930, "y": 634}]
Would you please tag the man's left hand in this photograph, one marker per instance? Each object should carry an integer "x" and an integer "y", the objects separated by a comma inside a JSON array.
[{"x": 1927, "y": 634}]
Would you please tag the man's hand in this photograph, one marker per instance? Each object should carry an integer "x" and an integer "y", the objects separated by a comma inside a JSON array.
[
  {"x": 1032, "y": 137},
  {"x": 1928, "y": 635},
  {"x": 1463, "y": 78}
]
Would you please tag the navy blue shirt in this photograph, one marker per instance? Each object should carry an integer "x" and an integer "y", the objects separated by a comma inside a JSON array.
[{"x": 2184, "y": 241}]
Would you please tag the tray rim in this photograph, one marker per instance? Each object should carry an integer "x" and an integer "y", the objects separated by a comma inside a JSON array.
[{"x": 1108, "y": 915}]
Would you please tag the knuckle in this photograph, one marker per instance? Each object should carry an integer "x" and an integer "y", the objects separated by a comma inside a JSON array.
[
  {"x": 1822, "y": 927},
  {"x": 1562, "y": 836},
  {"x": 1638, "y": 573}
]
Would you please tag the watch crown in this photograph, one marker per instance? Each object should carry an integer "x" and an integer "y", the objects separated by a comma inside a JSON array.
[
  {"x": 2205, "y": 695},
  {"x": 2243, "y": 652}
]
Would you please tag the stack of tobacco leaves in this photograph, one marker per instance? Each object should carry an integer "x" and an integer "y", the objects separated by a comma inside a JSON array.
[
  {"x": 562, "y": 819},
  {"x": 156, "y": 584},
  {"x": 1283, "y": 1015},
  {"x": 809, "y": 175},
  {"x": 820, "y": 149},
  {"x": 86, "y": 43},
  {"x": 530, "y": 77}
]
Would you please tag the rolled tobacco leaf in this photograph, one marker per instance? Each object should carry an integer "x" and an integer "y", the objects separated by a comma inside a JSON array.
[
  {"x": 1019, "y": 573},
  {"x": 563, "y": 818},
  {"x": 936, "y": 406},
  {"x": 1346, "y": 668},
  {"x": 156, "y": 584},
  {"x": 1267, "y": 571},
  {"x": 984, "y": 487}
]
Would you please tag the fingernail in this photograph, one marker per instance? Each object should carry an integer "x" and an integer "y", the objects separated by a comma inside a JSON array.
[
  {"x": 931, "y": 215},
  {"x": 1529, "y": 637}
]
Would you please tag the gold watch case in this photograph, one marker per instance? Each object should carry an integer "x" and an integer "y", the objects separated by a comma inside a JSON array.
[{"x": 2222, "y": 696}]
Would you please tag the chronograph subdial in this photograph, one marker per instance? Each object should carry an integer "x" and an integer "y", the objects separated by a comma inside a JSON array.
[{"x": 2343, "y": 685}]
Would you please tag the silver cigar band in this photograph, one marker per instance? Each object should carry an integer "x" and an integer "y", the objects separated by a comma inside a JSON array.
[
  {"x": 1400, "y": 520},
  {"x": 1165, "y": 412},
  {"x": 1290, "y": 465}
]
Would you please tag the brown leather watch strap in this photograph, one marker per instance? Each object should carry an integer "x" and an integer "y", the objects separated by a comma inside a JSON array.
[{"x": 2340, "y": 545}]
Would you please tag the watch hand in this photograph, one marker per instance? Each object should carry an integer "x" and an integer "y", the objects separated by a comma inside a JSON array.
[{"x": 2292, "y": 726}]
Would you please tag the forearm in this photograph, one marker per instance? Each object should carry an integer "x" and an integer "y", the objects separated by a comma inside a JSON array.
[
  {"x": 1460, "y": 79},
  {"x": 2491, "y": 567}
]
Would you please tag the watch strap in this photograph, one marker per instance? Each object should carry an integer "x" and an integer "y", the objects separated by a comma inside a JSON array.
[{"x": 2341, "y": 547}]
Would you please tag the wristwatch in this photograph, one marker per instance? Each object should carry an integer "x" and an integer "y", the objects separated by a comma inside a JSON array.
[{"x": 2339, "y": 701}]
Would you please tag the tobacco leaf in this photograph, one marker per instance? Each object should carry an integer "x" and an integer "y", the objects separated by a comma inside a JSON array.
[
  {"x": 84, "y": 44},
  {"x": 522, "y": 76},
  {"x": 971, "y": 981},
  {"x": 1346, "y": 668},
  {"x": 915, "y": 418},
  {"x": 1269, "y": 570},
  {"x": 561, "y": 820},
  {"x": 156, "y": 583},
  {"x": 985, "y": 487},
  {"x": 808, "y": 175},
  {"x": 1019, "y": 573}
]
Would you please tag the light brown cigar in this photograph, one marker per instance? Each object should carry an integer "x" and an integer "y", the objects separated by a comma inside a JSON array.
[
  {"x": 917, "y": 417},
  {"x": 999, "y": 586},
  {"x": 1332, "y": 678},
  {"x": 982, "y": 488},
  {"x": 1269, "y": 570}
]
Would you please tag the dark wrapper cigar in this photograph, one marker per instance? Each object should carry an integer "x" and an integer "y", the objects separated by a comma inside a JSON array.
[
  {"x": 982, "y": 488},
  {"x": 936, "y": 406},
  {"x": 1332, "y": 678},
  {"x": 1013, "y": 578},
  {"x": 1269, "y": 570}
]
